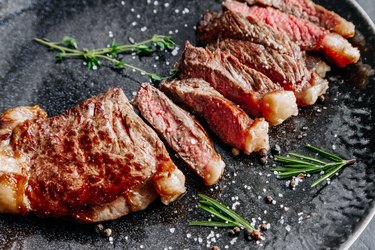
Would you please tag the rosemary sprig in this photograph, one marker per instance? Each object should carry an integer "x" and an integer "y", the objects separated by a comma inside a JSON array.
[
  {"x": 68, "y": 48},
  {"x": 225, "y": 216},
  {"x": 295, "y": 164}
]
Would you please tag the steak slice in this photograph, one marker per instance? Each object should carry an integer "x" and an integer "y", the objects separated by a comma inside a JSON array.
[
  {"x": 315, "y": 13},
  {"x": 182, "y": 132},
  {"x": 98, "y": 161},
  {"x": 283, "y": 69},
  {"x": 249, "y": 88},
  {"x": 227, "y": 120},
  {"x": 307, "y": 35},
  {"x": 214, "y": 26}
]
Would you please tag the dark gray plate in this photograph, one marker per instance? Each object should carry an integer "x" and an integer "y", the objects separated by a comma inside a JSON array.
[{"x": 343, "y": 122}]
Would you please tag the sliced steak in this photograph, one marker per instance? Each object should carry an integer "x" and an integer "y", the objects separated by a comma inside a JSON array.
[
  {"x": 98, "y": 161},
  {"x": 283, "y": 69},
  {"x": 214, "y": 26},
  {"x": 227, "y": 120},
  {"x": 315, "y": 13},
  {"x": 249, "y": 88},
  {"x": 182, "y": 132},
  {"x": 307, "y": 35}
]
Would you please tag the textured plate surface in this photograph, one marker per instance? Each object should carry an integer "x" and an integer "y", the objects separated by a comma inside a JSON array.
[{"x": 343, "y": 123}]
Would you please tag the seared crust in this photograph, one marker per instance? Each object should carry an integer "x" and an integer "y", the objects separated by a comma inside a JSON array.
[{"x": 90, "y": 157}]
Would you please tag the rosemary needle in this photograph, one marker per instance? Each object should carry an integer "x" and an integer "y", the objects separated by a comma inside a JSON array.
[
  {"x": 68, "y": 48},
  {"x": 226, "y": 217},
  {"x": 295, "y": 164}
]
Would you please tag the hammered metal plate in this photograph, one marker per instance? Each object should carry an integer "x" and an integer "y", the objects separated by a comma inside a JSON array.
[{"x": 344, "y": 123}]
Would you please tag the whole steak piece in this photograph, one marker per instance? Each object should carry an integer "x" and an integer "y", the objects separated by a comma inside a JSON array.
[
  {"x": 227, "y": 120},
  {"x": 96, "y": 162},
  {"x": 182, "y": 132}
]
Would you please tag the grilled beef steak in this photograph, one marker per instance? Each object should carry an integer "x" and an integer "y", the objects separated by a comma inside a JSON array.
[
  {"x": 98, "y": 161},
  {"x": 182, "y": 132},
  {"x": 249, "y": 88},
  {"x": 230, "y": 123},
  {"x": 214, "y": 26},
  {"x": 307, "y": 35},
  {"x": 292, "y": 74},
  {"x": 315, "y": 13}
]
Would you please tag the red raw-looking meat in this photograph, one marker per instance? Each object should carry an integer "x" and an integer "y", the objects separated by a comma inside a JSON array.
[
  {"x": 227, "y": 120},
  {"x": 182, "y": 132},
  {"x": 315, "y": 13},
  {"x": 249, "y": 88},
  {"x": 306, "y": 34},
  {"x": 96, "y": 162}
]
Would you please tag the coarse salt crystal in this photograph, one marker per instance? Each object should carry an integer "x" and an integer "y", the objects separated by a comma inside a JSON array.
[
  {"x": 134, "y": 23},
  {"x": 132, "y": 9},
  {"x": 188, "y": 235},
  {"x": 172, "y": 230},
  {"x": 193, "y": 141},
  {"x": 281, "y": 195},
  {"x": 166, "y": 5},
  {"x": 156, "y": 3},
  {"x": 174, "y": 52},
  {"x": 233, "y": 241},
  {"x": 234, "y": 206},
  {"x": 288, "y": 228},
  {"x": 177, "y": 11},
  {"x": 143, "y": 29},
  {"x": 122, "y": 2}
]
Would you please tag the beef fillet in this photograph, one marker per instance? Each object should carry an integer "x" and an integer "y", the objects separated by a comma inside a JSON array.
[
  {"x": 250, "y": 89},
  {"x": 307, "y": 35},
  {"x": 227, "y": 120},
  {"x": 315, "y": 13},
  {"x": 96, "y": 162},
  {"x": 182, "y": 132},
  {"x": 292, "y": 74}
]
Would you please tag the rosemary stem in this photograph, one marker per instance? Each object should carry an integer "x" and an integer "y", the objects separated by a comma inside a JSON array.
[{"x": 125, "y": 64}]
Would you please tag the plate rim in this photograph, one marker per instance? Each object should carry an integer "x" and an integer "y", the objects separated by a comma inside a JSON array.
[{"x": 367, "y": 219}]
